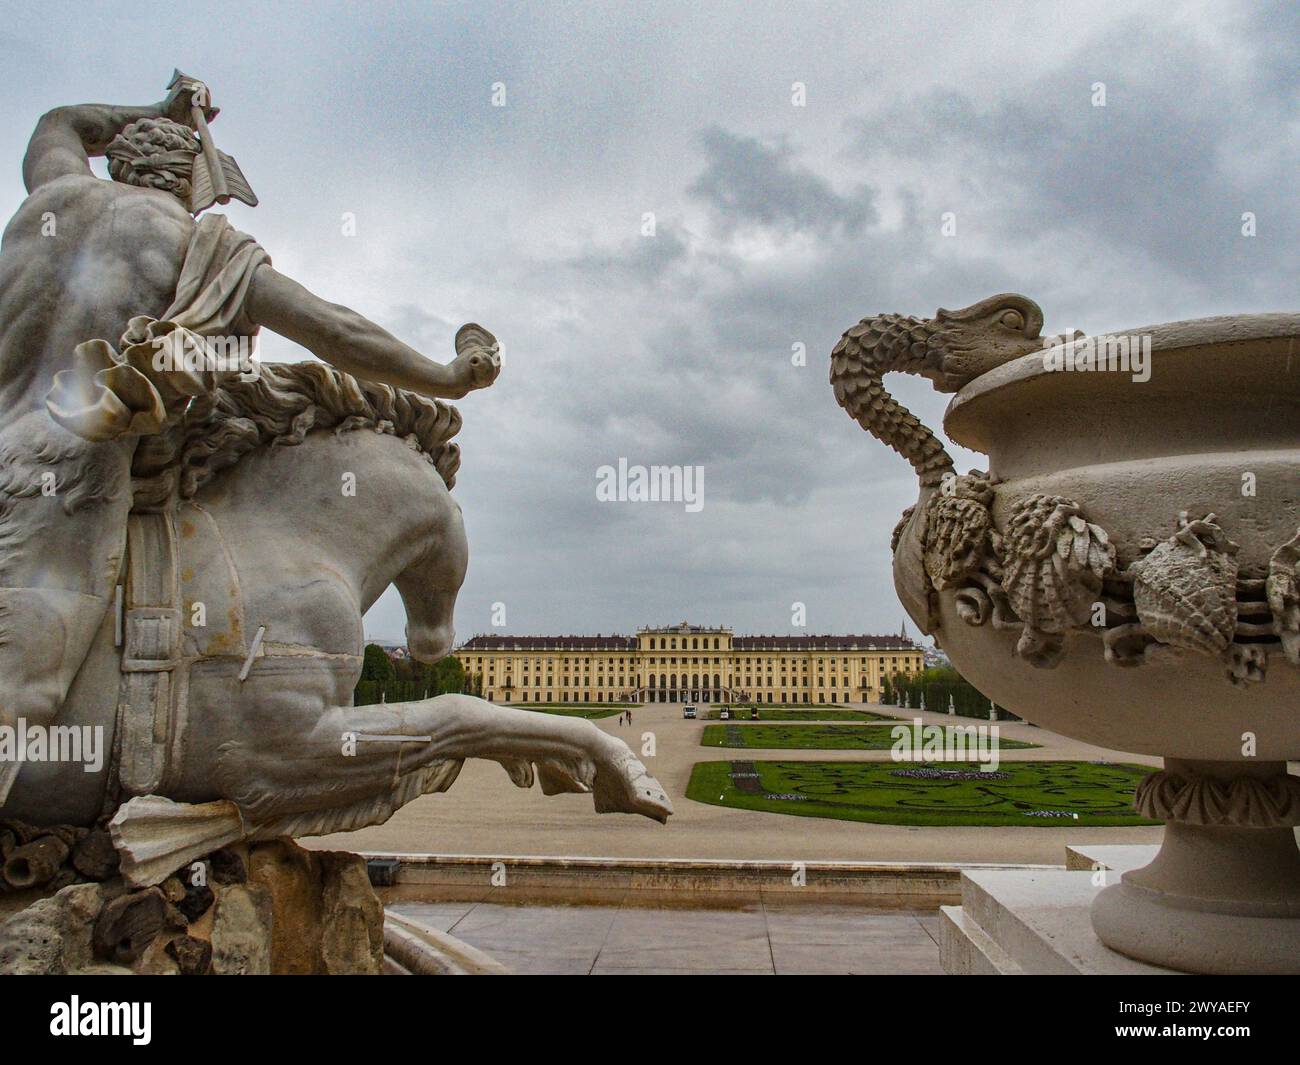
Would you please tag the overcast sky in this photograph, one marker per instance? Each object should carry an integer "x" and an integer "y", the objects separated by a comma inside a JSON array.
[{"x": 775, "y": 225}]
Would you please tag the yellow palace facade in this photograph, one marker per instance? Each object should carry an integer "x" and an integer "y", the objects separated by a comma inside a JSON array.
[{"x": 687, "y": 664}]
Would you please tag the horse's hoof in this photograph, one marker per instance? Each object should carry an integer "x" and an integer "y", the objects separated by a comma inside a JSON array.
[
  {"x": 633, "y": 790},
  {"x": 652, "y": 799}
]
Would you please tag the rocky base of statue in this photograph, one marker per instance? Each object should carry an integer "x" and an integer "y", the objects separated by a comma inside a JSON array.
[
  {"x": 1223, "y": 893},
  {"x": 249, "y": 908}
]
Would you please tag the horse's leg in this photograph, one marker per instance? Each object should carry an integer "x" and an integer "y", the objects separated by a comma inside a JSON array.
[{"x": 571, "y": 754}]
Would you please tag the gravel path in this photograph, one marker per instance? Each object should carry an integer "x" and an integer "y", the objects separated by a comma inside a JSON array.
[{"x": 484, "y": 814}]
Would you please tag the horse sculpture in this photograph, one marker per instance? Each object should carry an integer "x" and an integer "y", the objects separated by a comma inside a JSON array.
[{"x": 243, "y": 727}]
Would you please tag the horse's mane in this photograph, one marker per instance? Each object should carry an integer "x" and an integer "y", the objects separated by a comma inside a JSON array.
[{"x": 284, "y": 403}]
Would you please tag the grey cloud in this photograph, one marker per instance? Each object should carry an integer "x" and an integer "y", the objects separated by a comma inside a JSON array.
[
  {"x": 1161, "y": 173},
  {"x": 748, "y": 182},
  {"x": 641, "y": 259}
]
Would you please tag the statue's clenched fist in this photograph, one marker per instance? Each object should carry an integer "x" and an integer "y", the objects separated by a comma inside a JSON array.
[
  {"x": 478, "y": 359},
  {"x": 477, "y": 369}
]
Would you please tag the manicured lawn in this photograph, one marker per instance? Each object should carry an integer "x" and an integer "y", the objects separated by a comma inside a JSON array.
[
  {"x": 814, "y": 737},
  {"x": 806, "y": 713},
  {"x": 1018, "y": 794},
  {"x": 587, "y": 710}
]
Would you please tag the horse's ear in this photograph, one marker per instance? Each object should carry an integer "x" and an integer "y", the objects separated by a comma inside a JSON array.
[{"x": 472, "y": 337}]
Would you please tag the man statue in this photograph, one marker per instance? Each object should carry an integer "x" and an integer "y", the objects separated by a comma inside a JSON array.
[{"x": 83, "y": 263}]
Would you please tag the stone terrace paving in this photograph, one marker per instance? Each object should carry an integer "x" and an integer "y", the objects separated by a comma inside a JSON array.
[{"x": 757, "y": 939}]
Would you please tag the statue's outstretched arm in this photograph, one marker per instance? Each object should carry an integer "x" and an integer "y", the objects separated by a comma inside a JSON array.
[
  {"x": 68, "y": 137},
  {"x": 356, "y": 345}
]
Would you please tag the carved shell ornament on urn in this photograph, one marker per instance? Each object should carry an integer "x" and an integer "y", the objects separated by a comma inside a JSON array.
[{"x": 1127, "y": 573}]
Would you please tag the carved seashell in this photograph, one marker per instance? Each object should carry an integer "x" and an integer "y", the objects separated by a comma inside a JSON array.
[
  {"x": 958, "y": 532},
  {"x": 957, "y": 539},
  {"x": 35, "y": 863},
  {"x": 1185, "y": 590},
  {"x": 1283, "y": 590},
  {"x": 1055, "y": 561},
  {"x": 973, "y": 605},
  {"x": 155, "y": 836},
  {"x": 128, "y": 925}
]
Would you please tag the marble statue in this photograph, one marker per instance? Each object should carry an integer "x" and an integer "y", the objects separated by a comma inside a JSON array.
[
  {"x": 1127, "y": 572},
  {"x": 188, "y": 541}
]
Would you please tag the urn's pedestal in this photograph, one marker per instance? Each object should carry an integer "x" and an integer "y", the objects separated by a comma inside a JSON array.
[
  {"x": 1041, "y": 922},
  {"x": 1223, "y": 893},
  {"x": 1036, "y": 922}
]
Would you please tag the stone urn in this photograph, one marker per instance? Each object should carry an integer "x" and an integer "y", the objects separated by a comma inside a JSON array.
[{"x": 1127, "y": 573}]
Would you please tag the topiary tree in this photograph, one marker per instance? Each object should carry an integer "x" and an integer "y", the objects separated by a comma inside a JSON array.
[
  {"x": 378, "y": 677},
  {"x": 382, "y": 680},
  {"x": 444, "y": 676}
]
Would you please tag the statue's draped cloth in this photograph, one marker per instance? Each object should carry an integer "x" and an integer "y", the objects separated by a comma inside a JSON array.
[{"x": 160, "y": 363}]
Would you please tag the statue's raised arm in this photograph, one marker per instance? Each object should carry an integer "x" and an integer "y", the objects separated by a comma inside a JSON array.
[{"x": 67, "y": 138}]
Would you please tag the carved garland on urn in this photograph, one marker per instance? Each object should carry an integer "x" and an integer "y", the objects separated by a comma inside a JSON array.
[{"x": 1051, "y": 571}]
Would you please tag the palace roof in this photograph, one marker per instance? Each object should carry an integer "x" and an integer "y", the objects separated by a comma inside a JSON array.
[
  {"x": 549, "y": 643},
  {"x": 616, "y": 642}
]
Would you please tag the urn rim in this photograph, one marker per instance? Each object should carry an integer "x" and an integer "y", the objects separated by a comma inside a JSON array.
[{"x": 1184, "y": 356}]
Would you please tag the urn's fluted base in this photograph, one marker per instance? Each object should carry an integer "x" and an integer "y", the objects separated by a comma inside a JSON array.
[{"x": 1216, "y": 899}]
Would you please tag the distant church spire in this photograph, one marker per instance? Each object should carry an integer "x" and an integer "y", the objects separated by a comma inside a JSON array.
[{"x": 902, "y": 629}]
